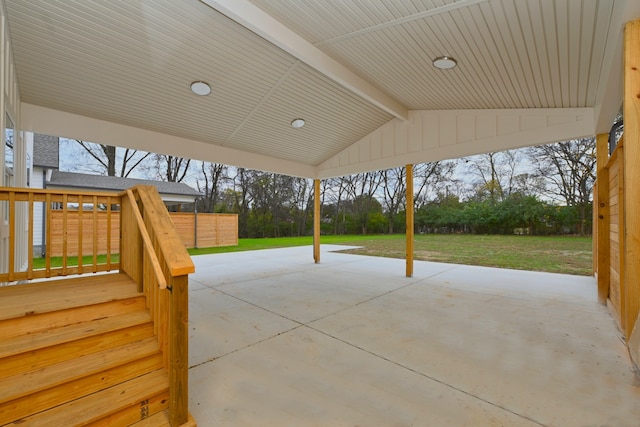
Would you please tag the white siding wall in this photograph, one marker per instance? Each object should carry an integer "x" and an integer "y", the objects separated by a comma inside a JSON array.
[{"x": 10, "y": 106}]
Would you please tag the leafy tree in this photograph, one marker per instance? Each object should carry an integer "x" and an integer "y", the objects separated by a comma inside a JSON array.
[
  {"x": 376, "y": 223},
  {"x": 362, "y": 189},
  {"x": 443, "y": 215},
  {"x": 360, "y": 210}
]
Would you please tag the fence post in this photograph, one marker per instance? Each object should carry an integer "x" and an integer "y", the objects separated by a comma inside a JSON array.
[
  {"x": 179, "y": 351},
  {"x": 316, "y": 220},
  {"x": 603, "y": 218},
  {"x": 409, "y": 221},
  {"x": 195, "y": 226},
  {"x": 631, "y": 106}
]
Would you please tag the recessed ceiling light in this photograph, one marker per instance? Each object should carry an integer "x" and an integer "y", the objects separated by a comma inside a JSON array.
[
  {"x": 444, "y": 62},
  {"x": 297, "y": 123},
  {"x": 200, "y": 88}
]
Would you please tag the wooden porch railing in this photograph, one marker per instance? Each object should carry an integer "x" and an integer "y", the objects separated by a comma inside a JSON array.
[
  {"x": 153, "y": 254},
  {"x": 90, "y": 210},
  {"x": 150, "y": 250}
]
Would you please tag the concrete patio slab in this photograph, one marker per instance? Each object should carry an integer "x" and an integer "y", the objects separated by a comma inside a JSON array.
[
  {"x": 220, "y": 324},
  {"x": 306, "y": 378},
  {"x": 278, "y": 340}
]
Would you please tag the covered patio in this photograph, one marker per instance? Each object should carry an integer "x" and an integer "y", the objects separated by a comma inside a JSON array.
[
  {"x": 317, "y": 89},
  {"x": 276, "y": 340}
]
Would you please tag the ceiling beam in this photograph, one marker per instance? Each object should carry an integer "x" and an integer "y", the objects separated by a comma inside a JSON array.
[
  {"x": 264, "y": 25},
  {"x": 47, "y": 121},
  {"x": 438, "y": 10}
]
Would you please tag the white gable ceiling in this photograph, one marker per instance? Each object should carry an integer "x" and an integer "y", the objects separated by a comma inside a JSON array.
[{"x": 348, "y": 68}]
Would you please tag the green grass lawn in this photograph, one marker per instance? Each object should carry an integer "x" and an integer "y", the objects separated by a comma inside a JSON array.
[
  {"x": 286, "y": 242},
  {"x": 72, "y": 261},
  {"x": 555, "y": 254}
]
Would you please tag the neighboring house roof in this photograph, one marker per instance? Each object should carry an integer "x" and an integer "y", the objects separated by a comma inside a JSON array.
[
  {"x": 46, "y": 151},
  {"x": 176, "y": 192}
]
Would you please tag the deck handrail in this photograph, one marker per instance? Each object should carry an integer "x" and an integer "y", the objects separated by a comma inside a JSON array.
[
  {"x": 150, "y": 248},
  {"x": 59, "y": 227},
  {"x": 157, "y": 269}
]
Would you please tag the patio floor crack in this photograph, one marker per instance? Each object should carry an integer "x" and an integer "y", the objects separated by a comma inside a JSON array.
[{"x": 439, "y": 381}]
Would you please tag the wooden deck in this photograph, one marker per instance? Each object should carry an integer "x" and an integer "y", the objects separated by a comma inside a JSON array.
[
  {"x": 106, "y": 348},
  {"x": 79, "y": 351}
]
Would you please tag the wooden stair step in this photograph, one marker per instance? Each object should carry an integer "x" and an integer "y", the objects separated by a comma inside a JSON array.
[
  {"x": 18, "y": 300},
  {"x": 48, "y": 356},
  {"x": 81, "y": 351},
  {"x": 40, "y": 379},
  {"x": 33, "y": 402},
  {"x": 52, "y": 337},
  {"x": 29, "y": 324},
  {"x": 133, "y": 397}
]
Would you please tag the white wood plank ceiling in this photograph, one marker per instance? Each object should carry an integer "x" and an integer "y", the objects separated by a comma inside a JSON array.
[
  {"x": 511, "y": 53},
  {"x": 350, "y": 67}
]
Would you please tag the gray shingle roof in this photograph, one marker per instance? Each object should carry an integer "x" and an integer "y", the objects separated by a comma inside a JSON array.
[
  {"x": 116, "y": 183},
  {"x": 46, "y": 151}
]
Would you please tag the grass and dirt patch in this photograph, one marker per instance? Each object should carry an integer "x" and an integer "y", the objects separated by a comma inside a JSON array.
[{"x": 554, "y": 254}]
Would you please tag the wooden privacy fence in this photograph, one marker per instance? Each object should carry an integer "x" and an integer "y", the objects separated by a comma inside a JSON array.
[
  {"x": 608, "y": 231},
  {"x": 99, "y": 229},
  {"x": 195, "y": 230},
  {"x": 206, "y": 230},
  {"x": 615, "y": 249}
]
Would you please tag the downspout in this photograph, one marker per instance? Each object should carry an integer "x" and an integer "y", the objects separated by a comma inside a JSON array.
[{"x": 43, "y": 217}]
